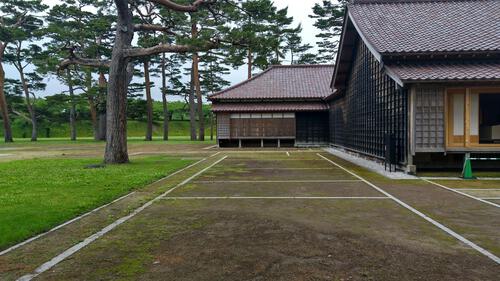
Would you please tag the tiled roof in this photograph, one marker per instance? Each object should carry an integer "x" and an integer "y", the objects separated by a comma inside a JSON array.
[
  {"x": 283, "y": 82},
  {"x": 406, "y": 26},
  {"x": 433, "y": 71},
  {"x": 269, "y": 107}
]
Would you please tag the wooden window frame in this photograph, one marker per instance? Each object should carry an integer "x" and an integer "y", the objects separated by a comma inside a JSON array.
[{"x": 469, "y": 91}]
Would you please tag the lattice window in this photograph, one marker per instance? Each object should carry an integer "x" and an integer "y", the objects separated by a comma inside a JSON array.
[{"x": 372, "y": 105}]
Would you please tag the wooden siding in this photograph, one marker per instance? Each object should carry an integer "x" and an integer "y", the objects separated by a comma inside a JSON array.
[
  {"x": 223, "y": 126},
  {"x": 262, "y": 128},
  {"x": 429, "y": 119},
  {"x": 371, "y": 106}
]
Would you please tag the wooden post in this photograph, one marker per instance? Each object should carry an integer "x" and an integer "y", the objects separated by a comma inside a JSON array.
[
  {"x": 411, "y": 132},
  {"x": 467, "y": 118},
  {"x": 211, "y": 126},
  {"x": 239, "y": 143},
  {"x": 261, "y": 142},
  {"x": 447, "y": 128},
  {"x": 279, "y": 143}
]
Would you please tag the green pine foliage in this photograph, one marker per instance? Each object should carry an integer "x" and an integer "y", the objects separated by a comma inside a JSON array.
[{"x": 329, "y": 16}]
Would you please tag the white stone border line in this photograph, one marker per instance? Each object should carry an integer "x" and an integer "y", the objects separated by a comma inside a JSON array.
[
  {"x": 289, "y": 168},
  {"x": 93, "y": 211},
  {"x": 67, "y": 253},
  {"x": 477, "y": 189},
  {"x": 278, "y": 181},
  {"x": 209, "y": 147},
  {"x": 462, "y": 193},
  {"x": 422, "y": 215},
  {"x": 271, "y": 197}
]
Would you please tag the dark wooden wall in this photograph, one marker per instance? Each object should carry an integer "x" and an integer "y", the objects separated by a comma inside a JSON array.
[
  {"x": 371, "y": 105},
  {"x": 312, "y": 128}
]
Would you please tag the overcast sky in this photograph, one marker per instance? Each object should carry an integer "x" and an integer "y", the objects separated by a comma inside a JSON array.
[{"x": 300, "y": 10}]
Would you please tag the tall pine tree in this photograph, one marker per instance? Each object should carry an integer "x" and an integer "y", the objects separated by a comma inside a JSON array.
[
  {"x": 329, "y": 16},
  {"x": 17, "y": 15}
]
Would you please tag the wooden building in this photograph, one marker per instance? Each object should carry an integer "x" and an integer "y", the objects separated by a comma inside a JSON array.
[
  {"x": 282, "y": 106},
  {"x": 426, "y": 72},
  {"x": 419, "y": 76}
]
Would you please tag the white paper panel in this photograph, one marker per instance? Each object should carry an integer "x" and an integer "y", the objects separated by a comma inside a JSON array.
[{"x": 458, "y": 114}]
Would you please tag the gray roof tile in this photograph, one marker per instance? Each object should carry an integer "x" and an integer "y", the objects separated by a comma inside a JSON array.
[
  {"x": 282, "y": 82},
  {"x": 443, "y": 71},
  {"x": 406, "y": 26}
]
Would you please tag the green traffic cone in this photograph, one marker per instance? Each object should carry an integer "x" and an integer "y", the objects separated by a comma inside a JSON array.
[{"x": 467, "y": 171}]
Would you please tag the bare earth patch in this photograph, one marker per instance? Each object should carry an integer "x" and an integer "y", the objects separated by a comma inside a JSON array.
[
  {"x": 277, "y": 240},
  {"x": 280, "y": 239}
]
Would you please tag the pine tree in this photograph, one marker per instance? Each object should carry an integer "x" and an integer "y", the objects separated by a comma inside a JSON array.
[
  {"x": 253, "y": 38},
  {"x": 329, "y": 17},
  {"x": 72, "y": 28},
  {"x": 213, "y": 68},
  {"x": 17, "y": 16},
  {"x": 22, "y": 53},
  {"x": 171, "y": 78},
  {"x": 298, "y": 51},
  {"x": 121, "y": 69}
]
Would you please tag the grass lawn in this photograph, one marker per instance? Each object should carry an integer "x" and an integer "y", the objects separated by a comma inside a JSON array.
[
  {"x": 39, "y": 194},
  {"x": 90, "y": 140},
  {"x": 84, "y": 129}
]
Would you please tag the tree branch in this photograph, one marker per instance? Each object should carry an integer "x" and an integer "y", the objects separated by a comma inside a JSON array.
[
  {"x": 153, "y": 27},
  {"x": 182, "y": 8},
  {"x": 82, "y": 61},
  {"x": 21, "y": 115},
  {"x": 168, "y": 48},
  {"x": 20, "y": 21}
]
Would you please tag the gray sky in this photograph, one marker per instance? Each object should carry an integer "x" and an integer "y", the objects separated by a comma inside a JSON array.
[{"x": 296, "y": 8}]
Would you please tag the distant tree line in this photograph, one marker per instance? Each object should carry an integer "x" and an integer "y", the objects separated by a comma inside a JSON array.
[{"x": 100, "y": 50}]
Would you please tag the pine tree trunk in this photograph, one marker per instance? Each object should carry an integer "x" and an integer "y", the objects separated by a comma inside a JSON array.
[
  {"x": 92, "y": 105},
  {"x": 192, "y": 109},
  {"x": 102, "y": 126},
  {"x": 3, "y": 102},
  {"x": 93, "y": 118},
  {"x": 120, "y": 75},
  {"x": 72, "y": 110},
  {"x": 196, "y": 81},
  {"x": 199, "y": 99},
  {"x": 101, "y": 108},
  {"x": 164, "y": 97},
  {"x": 249, "y": 63},
  {"x": 149, "y": 103},
  {"x": 29, "y": 105}
]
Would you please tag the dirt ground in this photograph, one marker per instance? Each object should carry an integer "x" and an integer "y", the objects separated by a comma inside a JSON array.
[
  {"x": 96, "y": 149},
  {"x": 273, "y": 215}
]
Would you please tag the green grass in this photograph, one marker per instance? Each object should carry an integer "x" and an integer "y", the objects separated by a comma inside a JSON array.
[
  {"x": 84, "y": 129},
  {"x": 90, "y": 140},
  {"x": 39, "y": 194}
]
